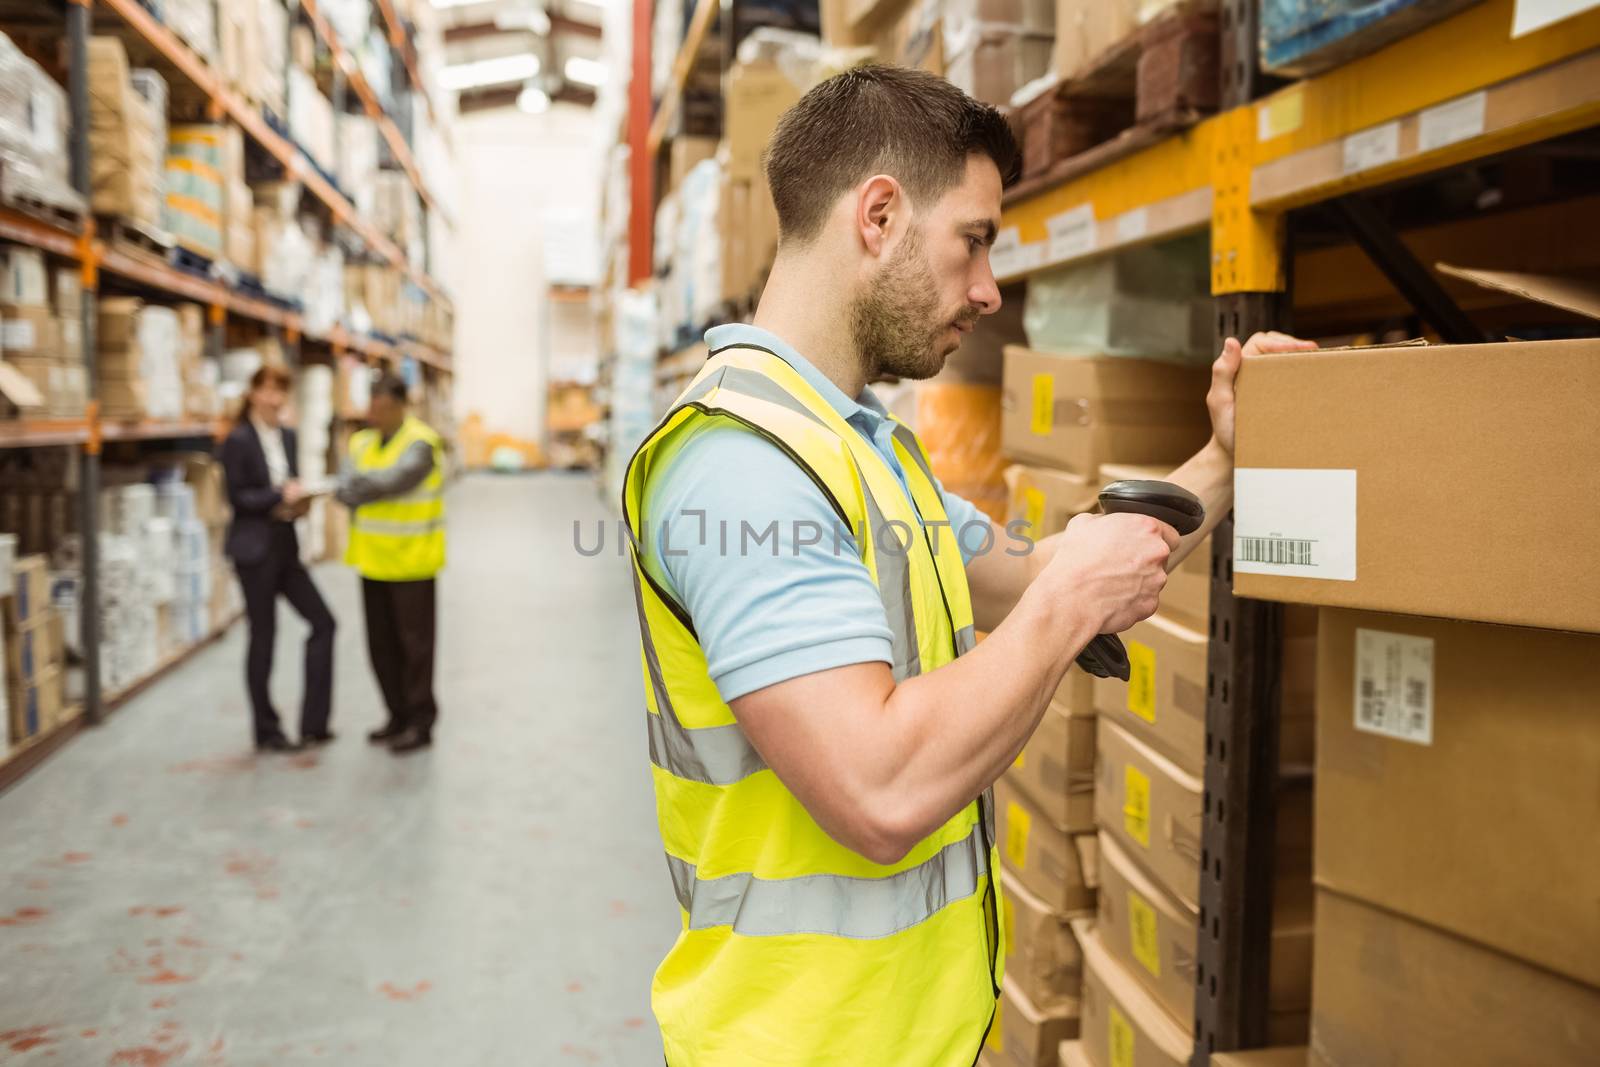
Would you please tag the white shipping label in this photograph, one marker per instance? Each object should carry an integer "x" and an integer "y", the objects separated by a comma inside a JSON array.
[
  {"x": 1133, "y": 225},
  {"x": 1537, "y": 14},
  {"x": 1005, "y": 254},
  {"x": 1450, "y": 122},
  {"x": 1031, "y": 255},
  {"x": 17, "y": 335},
  {"x": 1394, "y": 685},
  {"x": 1372, "y": 148},
  {"x": 1295, "y": 523},
  {"x": 1072, "y": 233}
]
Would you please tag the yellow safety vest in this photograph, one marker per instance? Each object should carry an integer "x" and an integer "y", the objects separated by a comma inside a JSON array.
[
  {"x": 398, "y": 540},
  {"x": 794, "y": 949}
]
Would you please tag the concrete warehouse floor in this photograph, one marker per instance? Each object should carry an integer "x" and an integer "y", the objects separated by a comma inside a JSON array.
[{"x": 167, "y": 897}]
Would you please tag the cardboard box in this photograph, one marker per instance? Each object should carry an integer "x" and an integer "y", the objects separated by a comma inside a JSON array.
[
  {"x": 29, "y": 330},
  {"x": 1057, "y": 868},
  {"x": 684, "y": 154},
  {"x": 1078, "y": 411},
  {"x": 23, "y": 276},
  {"x": 37, "y": 706},
  {"x": 995, "y": 61},
  {"x": 1044, "y": 500},
  {"x": 32, "y": 648},
  {"x": 1055, "y": 770},
  {"x": 1042, "y": 954},
  {"x": 1376, "y": 498},
  {"x": 1282, "y": 1056},
  {"x": 1155, "y": 937},
  {"x": 30, "y": 591},
  {"x": 758, "y": 94},
  {"x": 1154, "y": 809},
  {"x": 1164, "y": 701},
  {"x": 1456, "y": 773},
  {"x": 1122, "y": 1024},
  {"x": 1086, "y": 29},
  {"x": 1427, "y": 999},
  {"x": 1025, "y": 1035}
]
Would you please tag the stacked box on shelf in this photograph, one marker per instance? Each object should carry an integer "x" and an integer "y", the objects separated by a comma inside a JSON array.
[
  {"x": 1440, "y": 668},
  {"x": 252, "y": 46},
  {"x": 36, "y": 340},
  {"x": 314, "y": 403},
  {"x": 1303, "y": 37},
  {"x": 311, "y": 119},
  {"x": 358, "y": 161},
  {"x": 34, "y": 118},
  {"x": 195, "y": 185},
  {"x": 34, "y": 657},
  {"x": 126, "y": 145},
  {"x": 195, "y": 23},
  {"x": 992, "y": 48},
  {"x": 138, "y": 359}
]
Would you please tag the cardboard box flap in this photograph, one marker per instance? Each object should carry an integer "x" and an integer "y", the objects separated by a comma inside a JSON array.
[
  {"x": 1577, "y": 293},
  {"x": 15, "y": 387},
  {"x": 1158, "y": 1026},
  {"x": 1073, "y": 1055},
  {"x": 1026, "y": 1008},
  {"x": 1288, "y": 1056},
  {"x": 1119, "y": 861}
]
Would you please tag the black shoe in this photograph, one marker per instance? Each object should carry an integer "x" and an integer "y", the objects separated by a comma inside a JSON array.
[
  {"x": 314, "y": 740},
  {"x": 388, "y": 732},
  {"x": 279, "y": 743},
  {"x": 410, "y": 741}
]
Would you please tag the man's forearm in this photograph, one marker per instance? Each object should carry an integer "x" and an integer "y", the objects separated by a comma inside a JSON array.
[{"x": 1208, "y": 474}]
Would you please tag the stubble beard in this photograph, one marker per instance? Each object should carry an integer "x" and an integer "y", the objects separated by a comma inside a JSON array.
[{"x": 896, "y": 323}]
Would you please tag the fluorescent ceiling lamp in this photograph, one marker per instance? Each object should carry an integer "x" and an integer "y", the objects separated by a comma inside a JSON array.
[
  {"x": 585, "y": 71},
  {"x": 533, "y": 100},
  {"x": 477, "y": 74}
]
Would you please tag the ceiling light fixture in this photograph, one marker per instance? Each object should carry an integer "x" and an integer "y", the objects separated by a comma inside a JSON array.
[{"x": 483, "y": 72}]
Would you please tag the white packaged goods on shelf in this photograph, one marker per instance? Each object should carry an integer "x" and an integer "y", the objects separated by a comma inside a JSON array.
[
  {"x": 665, "y": 37},
  {"x": 65, "y": 597},
  {"x": 1151, "y": 301},
  {"x": 238, "y": 364},
  {"x": 286, "y": 253},
  {"x": 358, "y": 160},
  {"x": 23, "y": 277},
  {"x": 195, "y": 22},
  {"x": 272, "y": 48},
  {"x": 158, "y": 558},
  {"x": 195, "y": 187},
  {"x": 632, "y": 384},
  {"x": 33, "y": 132},
  {"x": 311, "y": 118},
  {"x": 175, "y": 501},
  {"x": 191, "y": 544},
  {"x": 350, "y": 19},
  {"x": 324, "y": 292},
  {"x": 8, "y": 562},
  {"x": 700, "y": 242},
  {"x": 159, "y": 364}
]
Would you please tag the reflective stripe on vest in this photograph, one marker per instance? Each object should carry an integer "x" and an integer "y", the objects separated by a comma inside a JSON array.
[
  {"x": 881, "y": 964},
  {"x": 401, "y": 538}
]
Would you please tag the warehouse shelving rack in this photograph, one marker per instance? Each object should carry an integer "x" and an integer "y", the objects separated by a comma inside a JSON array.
[
  {"x": 1457, "y": 93},
  {"x": 81, "y": 245}
]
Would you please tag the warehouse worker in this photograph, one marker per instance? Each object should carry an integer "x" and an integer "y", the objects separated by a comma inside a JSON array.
[
  {"x": 394, "y": 482},
  {"x": 823, "y": 728}
]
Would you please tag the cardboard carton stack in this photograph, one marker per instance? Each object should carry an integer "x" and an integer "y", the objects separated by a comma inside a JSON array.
[
  {"x": 195, "y": 22},
  {"x": 35, "y": 654},
  {"x": 41, "y": 331},
  {"x": 1457, "y": 742},
  {"x": 992, "y": 48},
  {"x": 758, "y": 93},
  {"x": 1087, "y": 29},
  {"x": 252, "y": 48},
  {"x": 139, "y": 352},
  {"x": 196, "y": 188},
  {"x": 311, "y": 119},
  {"x": 126, "y": 138}
]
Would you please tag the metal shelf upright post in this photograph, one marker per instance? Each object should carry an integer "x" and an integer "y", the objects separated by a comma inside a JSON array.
[{"x": 78, "y": 17}]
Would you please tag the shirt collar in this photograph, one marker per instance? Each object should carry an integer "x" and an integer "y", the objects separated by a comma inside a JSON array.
[
  {"x": 263, "y": 430},
  {"x": 867, "y": 406}
]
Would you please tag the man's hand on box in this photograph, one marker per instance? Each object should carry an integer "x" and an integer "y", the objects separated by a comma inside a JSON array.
[{"x": 1225, "y": 371}]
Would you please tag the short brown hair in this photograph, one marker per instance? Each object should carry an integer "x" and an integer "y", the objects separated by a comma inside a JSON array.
[
  {"x": 266, "y": 374},
  {"x": 874, "y": 119}
]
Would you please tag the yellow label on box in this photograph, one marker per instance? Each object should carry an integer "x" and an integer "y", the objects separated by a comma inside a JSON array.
[
  {"x": 1142, "y": 680},
  {"x": 1121, "y": 1038},
  {"x": 1021, "y": 761},
  {"x": 995, "y": 1040},
  {"x": 1018, "y": 822},
  {"x": 1044, "y": 403},
  {"x": 1136, "y": 804},
  {"x": 1142, "y": 932},
  {"x": 1033, "y": 510}
]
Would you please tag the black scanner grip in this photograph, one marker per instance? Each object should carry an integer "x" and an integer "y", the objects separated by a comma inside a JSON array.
[{"x": 1105, "y": 656}]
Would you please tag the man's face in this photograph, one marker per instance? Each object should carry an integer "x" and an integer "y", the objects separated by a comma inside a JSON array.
[
  {"x": 935, "y": 284},
  {"x": 387, "y": 413}
]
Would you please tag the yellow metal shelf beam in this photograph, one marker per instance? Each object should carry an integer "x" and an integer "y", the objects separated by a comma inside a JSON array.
[{"x": 1460, "y": 90}]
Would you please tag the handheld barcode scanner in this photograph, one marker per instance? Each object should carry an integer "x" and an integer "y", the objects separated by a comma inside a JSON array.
[{"x": 1105, "y": 656}]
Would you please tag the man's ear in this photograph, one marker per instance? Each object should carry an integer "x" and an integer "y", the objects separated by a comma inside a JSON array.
[{"x": 880, "y": 209}]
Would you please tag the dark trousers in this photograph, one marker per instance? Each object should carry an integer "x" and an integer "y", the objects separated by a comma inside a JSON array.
[
  {"x": 282, "y": 573},
  {"x": 400, "y": 632}
]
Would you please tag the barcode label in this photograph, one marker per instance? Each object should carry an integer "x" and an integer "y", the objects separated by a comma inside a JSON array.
[
  {"x": 1287, "y": 551},
  {"x": 1394, "y": 685},
  {"x": 1295, "y": 523}
]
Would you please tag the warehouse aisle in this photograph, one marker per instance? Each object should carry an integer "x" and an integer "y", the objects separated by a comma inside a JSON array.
[{"x": 168, "y": 898}]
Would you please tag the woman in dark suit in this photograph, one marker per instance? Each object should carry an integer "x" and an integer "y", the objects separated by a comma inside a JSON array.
[{"x": 258, "y": 460}]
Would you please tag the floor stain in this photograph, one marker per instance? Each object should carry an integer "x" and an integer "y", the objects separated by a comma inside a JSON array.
[
  {"x": 26, "y": 1039},
  {"x": 394, "y": 992},
  {"x": 24, "y": 916}
]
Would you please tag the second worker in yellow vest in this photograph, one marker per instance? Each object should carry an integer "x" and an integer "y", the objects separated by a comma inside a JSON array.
[
  {"x": 393, "y": 483},
  {"x": 823, "y": 728}
]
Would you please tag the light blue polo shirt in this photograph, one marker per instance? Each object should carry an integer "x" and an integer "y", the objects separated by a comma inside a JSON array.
[{"x": 770, "y": 608}]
